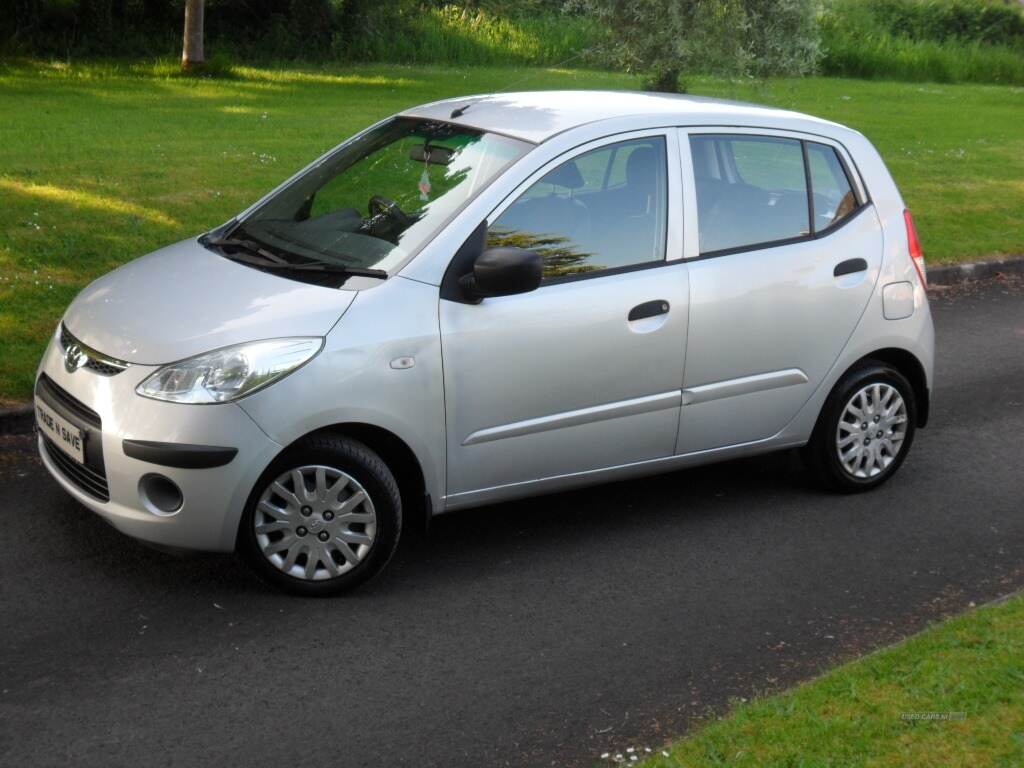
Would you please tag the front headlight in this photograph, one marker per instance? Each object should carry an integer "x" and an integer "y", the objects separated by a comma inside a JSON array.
[{"x": 229, "y": 373}]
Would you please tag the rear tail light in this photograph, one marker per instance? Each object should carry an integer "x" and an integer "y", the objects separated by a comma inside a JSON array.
[{"x": 915, "y": 247}]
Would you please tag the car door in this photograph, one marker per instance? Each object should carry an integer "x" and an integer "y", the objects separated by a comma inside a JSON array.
[
  {"x": 786, "y": 254},
  {"x": 585, "y": 371}
]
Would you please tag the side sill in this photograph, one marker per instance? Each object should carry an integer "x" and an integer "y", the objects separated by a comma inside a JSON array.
[{"x": 557, "y": 483}]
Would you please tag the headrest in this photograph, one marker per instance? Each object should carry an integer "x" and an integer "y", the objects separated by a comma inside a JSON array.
[
  {"x": 565, "y": 175},
  {"x": 640, "y": 165}
]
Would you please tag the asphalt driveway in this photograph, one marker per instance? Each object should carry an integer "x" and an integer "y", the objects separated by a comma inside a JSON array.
[{"x": 542, "y": 632}]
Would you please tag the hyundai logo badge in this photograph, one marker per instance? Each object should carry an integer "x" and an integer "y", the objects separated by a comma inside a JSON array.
[{"x": 74, "y": 358}]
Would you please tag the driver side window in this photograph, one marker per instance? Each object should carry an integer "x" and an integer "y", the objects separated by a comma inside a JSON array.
[{"x": 604, "y": 209}]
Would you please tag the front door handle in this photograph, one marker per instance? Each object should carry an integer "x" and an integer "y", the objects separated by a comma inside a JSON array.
[
  {"x": 648, "y": 309},
  {"x": 849, "y": 267}
]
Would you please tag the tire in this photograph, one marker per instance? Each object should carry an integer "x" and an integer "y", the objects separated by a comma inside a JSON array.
[
  {"x": 869, "y": 460},
  {"x": 348, "y": 537}
]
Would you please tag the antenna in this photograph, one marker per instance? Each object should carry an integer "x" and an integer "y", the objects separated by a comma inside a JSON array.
[
  {"x": 533, "y": 72},
  {"x": 460, "y": 111}
]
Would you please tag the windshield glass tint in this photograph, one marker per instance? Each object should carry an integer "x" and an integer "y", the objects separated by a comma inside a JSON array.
[{"x": 382, "y": 197}]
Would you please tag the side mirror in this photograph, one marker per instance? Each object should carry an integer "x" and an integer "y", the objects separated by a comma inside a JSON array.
[{"x": 503, "y": 272}]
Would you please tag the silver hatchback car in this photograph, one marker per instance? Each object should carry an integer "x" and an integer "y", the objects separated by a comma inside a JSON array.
[{"x": 494, "y": 297}]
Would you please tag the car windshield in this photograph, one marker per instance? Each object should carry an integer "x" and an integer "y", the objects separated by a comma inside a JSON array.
[{"x": 380, "y": 198}]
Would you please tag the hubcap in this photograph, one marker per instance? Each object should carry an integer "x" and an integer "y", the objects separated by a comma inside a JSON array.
[
  {"x": 871, "y": 430},
  {"x": 315, "y": 523}
]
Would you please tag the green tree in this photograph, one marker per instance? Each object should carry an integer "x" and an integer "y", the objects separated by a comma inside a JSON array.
[{"x": 667, "y": 39}]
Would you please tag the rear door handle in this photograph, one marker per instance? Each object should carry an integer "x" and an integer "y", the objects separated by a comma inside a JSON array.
[
  {"x": 849, "y": 266},
  {"x": 648, "y": 309}
]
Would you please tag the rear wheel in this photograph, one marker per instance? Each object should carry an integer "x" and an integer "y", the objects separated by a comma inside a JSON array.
[
  {"x": 865, "y": 429},
  {"x": 324, "y": 518}
]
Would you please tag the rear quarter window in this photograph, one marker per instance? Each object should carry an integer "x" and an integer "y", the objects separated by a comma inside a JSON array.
[{"x": 833, "y": 197}]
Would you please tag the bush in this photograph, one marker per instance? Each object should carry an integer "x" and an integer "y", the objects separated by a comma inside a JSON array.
[
  {"x": 976, "y": 21},
  {"x": 896, "y": 58},
  {"x": 462, "y": 35},
  {"x": 405, "y": 31},
  {"x": 924, "y": 40},
  {"x": 274, "y": 28}
]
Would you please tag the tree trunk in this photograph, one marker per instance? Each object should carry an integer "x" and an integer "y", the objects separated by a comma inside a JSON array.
[
  {"x": 663, "y": 80},
  {"x": 192, "y": 57}
]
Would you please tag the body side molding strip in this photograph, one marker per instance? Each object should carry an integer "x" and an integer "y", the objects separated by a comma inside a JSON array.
[
  {"x": 573, "y": 418},
  {"x": 744, "y": 385},
  {"x": 179, "y": 455}
]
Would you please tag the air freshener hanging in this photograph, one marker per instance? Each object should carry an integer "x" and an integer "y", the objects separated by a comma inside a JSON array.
[{"x": 424, "y": 184}]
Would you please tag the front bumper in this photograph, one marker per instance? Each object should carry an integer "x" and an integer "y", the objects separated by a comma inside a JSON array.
[{"x": 213, "y": 496}]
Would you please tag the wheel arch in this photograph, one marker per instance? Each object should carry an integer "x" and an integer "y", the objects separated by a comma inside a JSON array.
[
  {"x": 399, "y": 457},
  {"x": 906, "y": 363}
]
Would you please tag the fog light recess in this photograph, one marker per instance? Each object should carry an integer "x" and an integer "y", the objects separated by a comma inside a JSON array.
[{"x": 160, "y": 495}]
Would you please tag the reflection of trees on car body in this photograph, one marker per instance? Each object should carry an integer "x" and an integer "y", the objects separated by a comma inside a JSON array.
[{"x": 561, "y": 256}]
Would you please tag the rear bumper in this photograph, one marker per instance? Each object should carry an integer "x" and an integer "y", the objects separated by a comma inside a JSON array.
[{"x": 214, "y": 454}]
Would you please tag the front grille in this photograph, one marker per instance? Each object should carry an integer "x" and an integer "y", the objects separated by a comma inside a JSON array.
[
  {"x": 102, "y": 367},
  {"x": 58, "y": 396},
  {"x": 89, "y": 480},
  {"x": 95, "y": 361},
  {"x": 91, "y": 476}
]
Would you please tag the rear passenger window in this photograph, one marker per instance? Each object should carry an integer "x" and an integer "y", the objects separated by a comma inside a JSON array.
[
  {"x": 833, "y": 196},
  {"x": 750, "y": 190},
  {"x": 604, "y": 209}
]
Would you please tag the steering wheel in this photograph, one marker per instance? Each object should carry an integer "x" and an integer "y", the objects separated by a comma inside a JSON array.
[{"x": 383, "y": 206}]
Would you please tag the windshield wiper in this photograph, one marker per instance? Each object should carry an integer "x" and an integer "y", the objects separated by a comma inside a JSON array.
[
  {"x": 311, "y": 266},
  {"x": 271, "y": 260},
  {"x": 250, "y": 245},
  {"x": 336, "y": 269}
]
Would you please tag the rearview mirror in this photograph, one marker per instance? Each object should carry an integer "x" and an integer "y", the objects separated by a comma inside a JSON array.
[
  {"x": 503, "y": 272},
  {"x": 422, "y": 153}
]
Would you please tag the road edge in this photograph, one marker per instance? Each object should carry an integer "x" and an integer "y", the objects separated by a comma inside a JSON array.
[
  {"x": 19, "y": 420},
  {"x": 931, "y": 625},
  {"x": 16, "y": 419},
  {"x": 976, "y": 270}
]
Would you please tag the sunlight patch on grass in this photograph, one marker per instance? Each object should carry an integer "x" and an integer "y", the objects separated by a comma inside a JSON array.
[
  {"x": 89, "y": 200},
  {"x": 322, "y": 78}
]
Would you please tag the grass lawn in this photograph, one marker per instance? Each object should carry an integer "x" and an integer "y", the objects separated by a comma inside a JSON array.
[
  {"x": 855, "y": 715},
  {"x": 100, "y": 164}
]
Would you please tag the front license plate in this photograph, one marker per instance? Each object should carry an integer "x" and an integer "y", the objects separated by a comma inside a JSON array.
[{"x": 61, "y": 432}]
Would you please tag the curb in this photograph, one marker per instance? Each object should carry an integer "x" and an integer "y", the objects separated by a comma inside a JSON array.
[
  {"x": 17, "y": 419},
  {"x": 978, "y": 270},
  {"x": 20, "y": 419}
]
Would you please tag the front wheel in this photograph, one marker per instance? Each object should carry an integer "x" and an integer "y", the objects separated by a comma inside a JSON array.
[
  {"x": 865, "y": 429},
  {"x": 325, "y": 517}
]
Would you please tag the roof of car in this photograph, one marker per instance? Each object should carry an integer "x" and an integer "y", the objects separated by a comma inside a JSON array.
[{"x": 538, "y": 115}]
